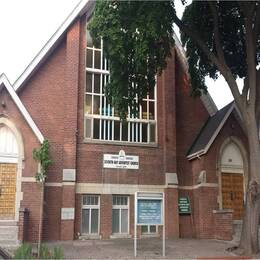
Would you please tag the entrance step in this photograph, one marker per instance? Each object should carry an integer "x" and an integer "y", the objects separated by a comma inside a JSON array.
[{"x": 9, "y": 236}]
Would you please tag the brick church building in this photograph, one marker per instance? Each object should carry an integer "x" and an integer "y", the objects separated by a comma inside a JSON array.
[{"x": 184, "y": 147}]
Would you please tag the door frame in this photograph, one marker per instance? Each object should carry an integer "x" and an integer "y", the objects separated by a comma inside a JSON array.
[
  {"x": 4, "y": 121},
  {"x": 239, "y": 170}
]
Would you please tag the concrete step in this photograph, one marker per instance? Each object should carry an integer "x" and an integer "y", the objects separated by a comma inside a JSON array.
[{"x": 9, "y": 235}]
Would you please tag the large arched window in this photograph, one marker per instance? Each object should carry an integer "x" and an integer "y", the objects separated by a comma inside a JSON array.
[{"x": 101, "y": 119}]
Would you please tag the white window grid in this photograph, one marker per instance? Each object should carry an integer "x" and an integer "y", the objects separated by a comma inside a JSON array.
[
  {"x": 90, "y": 207},
  {"x": 149, "y": 230},
  {"x": 107, "y": 116},
  {"x": 120, "y": 208}
]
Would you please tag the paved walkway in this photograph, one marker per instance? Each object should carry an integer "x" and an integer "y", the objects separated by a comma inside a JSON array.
[{"x": 148, "y": 248}]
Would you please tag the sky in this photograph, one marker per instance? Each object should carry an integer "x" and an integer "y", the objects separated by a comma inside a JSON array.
[{"x": 26, "y": 25}]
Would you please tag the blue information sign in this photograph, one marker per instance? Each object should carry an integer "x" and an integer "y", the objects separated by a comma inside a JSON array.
[{"x": 149, "y": 212}]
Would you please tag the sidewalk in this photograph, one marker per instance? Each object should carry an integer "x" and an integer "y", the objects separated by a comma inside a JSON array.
[{"x": 148, "y": 248}]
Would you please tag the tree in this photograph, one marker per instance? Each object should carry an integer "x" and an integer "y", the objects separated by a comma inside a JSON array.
[
  {"x": 220, "y": 37},
  {"x": 42, "y": 156}
]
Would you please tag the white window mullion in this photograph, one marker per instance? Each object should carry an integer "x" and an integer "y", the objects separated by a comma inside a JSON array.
[
  {"x": 121, "y": 129},
  {"x": 89, "y": 227}
]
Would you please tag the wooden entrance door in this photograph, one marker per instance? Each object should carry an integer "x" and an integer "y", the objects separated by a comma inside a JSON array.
[
  {"x": 8, "y": 172},
  {"x": 233, "y": 193}
]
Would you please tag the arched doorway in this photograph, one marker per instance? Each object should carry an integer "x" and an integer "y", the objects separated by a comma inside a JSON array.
[
  {"x": 10, "y": 174},
  {"x": 233, "y": 177}
]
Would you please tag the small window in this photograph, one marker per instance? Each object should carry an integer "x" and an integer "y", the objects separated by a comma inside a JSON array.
[
  {"x": 149, "y": 229},
  {"x": 90, "y": 214},
  {"x": 120, "y": 215}
]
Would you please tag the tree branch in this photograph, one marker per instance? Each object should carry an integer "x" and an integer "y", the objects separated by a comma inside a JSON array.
[
  {"x": 223, "y": 68},
  {"x": 250, "y": 54},
  {"x": 217, "y": 39}
]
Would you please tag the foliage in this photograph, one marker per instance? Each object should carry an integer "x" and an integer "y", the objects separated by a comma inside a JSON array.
[
  {"x": 232, "y": 35},
  {"x": 137, "y": 40},
  {"x": 25, "y": 252},
  {"x": 42, "y": 155},
  {"x": 58, "y": 253}
]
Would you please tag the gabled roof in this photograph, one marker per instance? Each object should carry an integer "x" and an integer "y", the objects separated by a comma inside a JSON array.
[
  {"x": 4, "y": 83},
  {"x": 210, "y": 131},
  {"x": 83, "y": 7}
]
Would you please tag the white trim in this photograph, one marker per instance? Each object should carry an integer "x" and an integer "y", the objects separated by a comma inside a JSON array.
[
  {"x": 8, "y": 159},
  {"x": 49, "y": 46},
  {"x": 205, "y": 150},
  {"x": 53, "y": 184},
  {"x": 28, "y": 179},
  {"x": 194, "y": 187},
  {"x": 107, "y": 188},
  {"x": 4, "y": 81}
]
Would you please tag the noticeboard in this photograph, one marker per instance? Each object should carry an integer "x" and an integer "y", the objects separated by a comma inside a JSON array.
[
  {"x": 149, "y": 212},
  {"x": 184, "y": 205}
]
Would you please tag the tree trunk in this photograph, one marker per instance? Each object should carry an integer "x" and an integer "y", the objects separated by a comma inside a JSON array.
[
  {"x": 41, "y": 220},
  {"x": 249, "y": 235}
]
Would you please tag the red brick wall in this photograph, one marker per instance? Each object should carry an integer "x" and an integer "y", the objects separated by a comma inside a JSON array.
[
  {"x": 191, "y": 115},
  {"x": 223, "y": 222},
  {"x": 31, "y": 191}
]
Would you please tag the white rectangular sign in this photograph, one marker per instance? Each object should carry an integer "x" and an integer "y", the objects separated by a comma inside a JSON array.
[{"x": 121, "y": 161}]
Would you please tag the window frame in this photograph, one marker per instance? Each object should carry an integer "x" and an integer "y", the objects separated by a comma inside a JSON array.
[
  {"x": 90, "y": 207},
  {"x": 120, "y": 207},
  {"x": 135, "y": 126}
]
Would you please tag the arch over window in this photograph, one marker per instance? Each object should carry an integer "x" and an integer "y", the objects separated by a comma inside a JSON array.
[
  {"x": 231, "y": 157},
  {"x": 8, "y": 145}
]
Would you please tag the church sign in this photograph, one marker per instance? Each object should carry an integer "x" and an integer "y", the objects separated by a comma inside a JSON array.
[
  {"x": 184, "y": 205},
  {"x": 120, "y": 161}
]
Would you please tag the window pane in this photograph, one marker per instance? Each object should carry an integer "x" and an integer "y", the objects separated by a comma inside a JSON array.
[
  {"x": 89, "y": 58},
  {"x": 94, "y": 220},
  {"x": 124, "y": 131},
  {"x": 88, "y": 104},
  {"x": 97, "y": 83},
  {"x": 89, "y": 82},
  {"x": 151, "y": 94},
  {"x": 96, "y": 106},
  {"x": 144, "y": 110},
  {"x": 88, "y": 127},
  {"x": 115, "y": 221},
  {"x": 117, "y": 130},
  {"x": 97, "y": 59},
  {"x": 85, "y": 221},
  {"x": 151, "y": 110},
  {"x": 89, "y": 39},
  {"x": 152, "y": 229},
  {"x": 144, "y": 229},
  {"x": 144, "y": 132},
  {"x": 96, "y": 128},
  {"x": 124, "y": 221},
  {"x": 152, "y": 132}
]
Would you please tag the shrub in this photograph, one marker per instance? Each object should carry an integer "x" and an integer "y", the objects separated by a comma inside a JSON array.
[{"x": 24, "y": 252}]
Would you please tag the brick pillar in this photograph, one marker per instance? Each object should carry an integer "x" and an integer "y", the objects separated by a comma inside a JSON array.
[
  {"x": 223, "y": 222},
  {"x": 70, "y": 132},
  {"x": 106, "y": 216},
  {"x": 171, "y": 213},
  {"x": 23, "y": 224}
]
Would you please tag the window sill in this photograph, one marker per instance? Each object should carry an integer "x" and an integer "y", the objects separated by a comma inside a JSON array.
[
  {"x": 150, "y": 235},
  {"x": 106, "y": 142},
  {"x": 115, "y": 236},
  {"x": 89, "y": 236}
]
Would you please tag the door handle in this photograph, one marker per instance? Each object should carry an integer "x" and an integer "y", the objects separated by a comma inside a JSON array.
[{"x": 231, "y": 196}]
